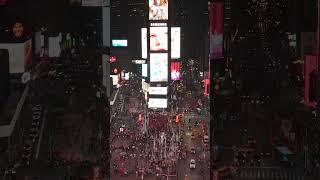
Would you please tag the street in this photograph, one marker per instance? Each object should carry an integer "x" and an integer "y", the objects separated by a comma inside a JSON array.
[{"x": 151, "y": 144}]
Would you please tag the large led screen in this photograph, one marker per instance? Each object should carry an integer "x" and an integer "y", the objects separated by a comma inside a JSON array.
[
  {"x": 144, "y": 41},
  {"x": 175, "y": 71},
  {"x": 145, "y": 70},
  {"x": 216, "y": 35},
  {"x": 175, "y": 42},
  {"x": 119, "y": 43},
  {"x": 158, "y": 38},
  {"x": 158, "y": 10},
  {"x": 158, "y": 67},
  {"x": 157, "y": 103}
]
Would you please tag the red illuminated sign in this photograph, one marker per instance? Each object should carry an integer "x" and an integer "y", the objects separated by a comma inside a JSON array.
[
  {"x": 216, "y": 30},
  {"x": 175, "y": 71},
  {"x": 309, "y": 65},
  {"x": 113, "y": 59}
]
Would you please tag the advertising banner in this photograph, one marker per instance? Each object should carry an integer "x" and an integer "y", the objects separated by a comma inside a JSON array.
[
  {"x": 158, "y": 67},
  {"x": 158, "y": 90},
  {"x": 216, "y": 34},
  {"x": 175, "y": 71},
  {"x": 145, "y": 70},
  {"x": 175, "y": 42},
  {"x": 144, "y": 43},
  {"x": 158, "y": 38},
  {"x": 119, "y": 43},
  {"x": 158, "y": 9},
  {"x": 157, "y": 103}
]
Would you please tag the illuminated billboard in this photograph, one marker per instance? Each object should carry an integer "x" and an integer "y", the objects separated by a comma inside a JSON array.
[
  {"x": 144, "y": 41},
  {"x": 158, "y": 67},
  {"x": 158, "y": 38},
  {"x": 216, "y": 34},
  {"x": 119, "y": 43},
  {"x": 145, "y": 70},
  {"x": 158, "y": 90},
  {"x": 175, "y": 71},
  {"x": 20, "y": 56},
  {"x": 175, "y": 42},
  {"x": 158, "y": 10},
  {"x": 115, "y": 79},
  {"x": 157, "y": 103}
]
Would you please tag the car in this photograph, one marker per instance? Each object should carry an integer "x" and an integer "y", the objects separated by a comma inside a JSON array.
[
  {"x": 193, "y": 136},
  {"x": 192, "y": 164},
  {"x": 206, "y": 139},
  {"x": 193, "y": 150}
]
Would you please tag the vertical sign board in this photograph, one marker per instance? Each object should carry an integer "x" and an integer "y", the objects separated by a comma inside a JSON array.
[
  {"x": 310, "y": 65},
  {"x": 175, "y": 71},
  {"x": 144, "y": 43},
  {"x": 106, "y": 41},
  {"x": 216, "y": 30},
  {"x": 175, "y": 42},
  {"x": 159, "y": 50}
]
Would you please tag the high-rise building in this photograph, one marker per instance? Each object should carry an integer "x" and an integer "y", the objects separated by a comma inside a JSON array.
[{"x": 193, "y": 35}]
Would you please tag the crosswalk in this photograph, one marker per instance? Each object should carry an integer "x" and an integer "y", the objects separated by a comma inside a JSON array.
[{"x": 268, "y": 174}]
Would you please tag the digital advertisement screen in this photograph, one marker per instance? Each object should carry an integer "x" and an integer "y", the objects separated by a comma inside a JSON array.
[
  {"x": 158, "y": 67},
  {"x": 175, "y": 71},
  {"x": 216, "y": 35},
  {"x": 119, "y": 43},
  {"x": 144, "y": 43},
  {"x": 158, "y": 38},
  {"x": 145, "y": 70},
  {"x": 158, "y": 90},
  {"x": 157, "y": 103},
  {"x": 175, "y": 42},
  {"x": 115, "y": 79},
  {"x": 158, "y": 9}
]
